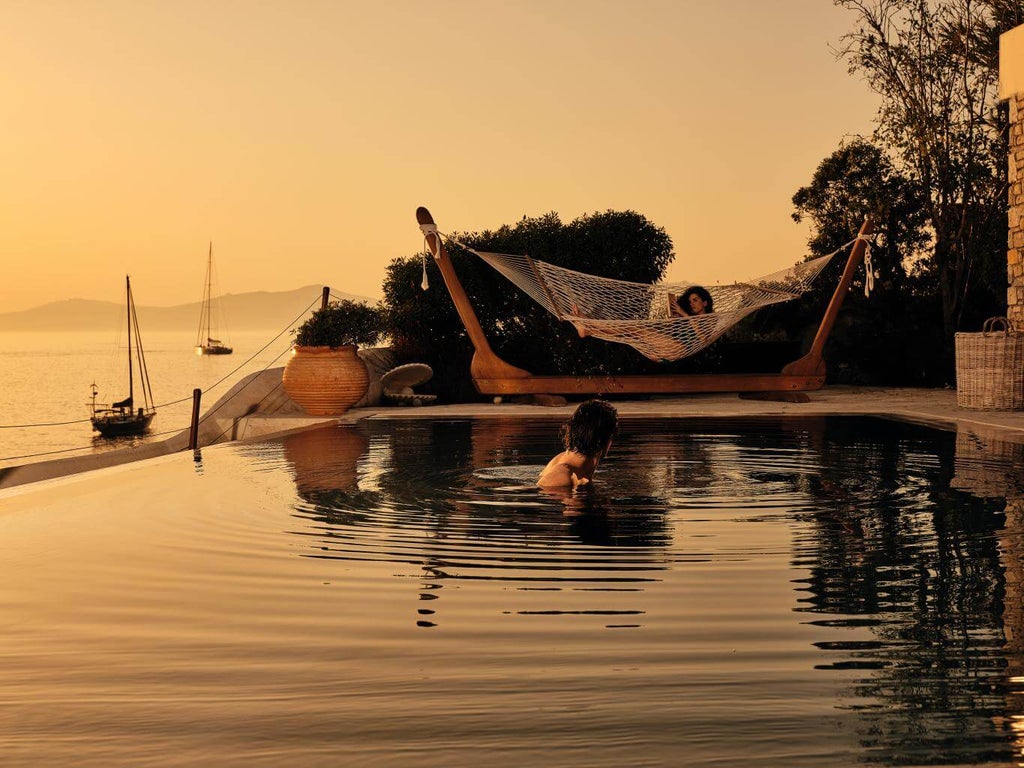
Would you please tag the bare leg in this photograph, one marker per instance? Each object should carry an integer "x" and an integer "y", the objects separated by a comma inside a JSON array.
[{"x": 580, "y": 329}]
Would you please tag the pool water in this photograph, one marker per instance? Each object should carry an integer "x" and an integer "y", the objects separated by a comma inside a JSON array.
[{"x": 790, "y": 592}]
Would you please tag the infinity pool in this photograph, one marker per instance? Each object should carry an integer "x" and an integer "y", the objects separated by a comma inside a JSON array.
[{"x": 820, "y": 592}]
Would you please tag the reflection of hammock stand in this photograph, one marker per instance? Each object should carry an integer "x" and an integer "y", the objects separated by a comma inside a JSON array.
[{"x": 493, "y": 376}]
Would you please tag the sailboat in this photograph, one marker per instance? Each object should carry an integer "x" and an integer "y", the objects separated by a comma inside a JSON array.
[
  {"x": 205, "y": 343},
  {"x": 122, "y": 418}
]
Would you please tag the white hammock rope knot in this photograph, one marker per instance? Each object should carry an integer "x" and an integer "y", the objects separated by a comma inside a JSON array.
[
  {"x": 427, "y": 229},
  {"x": 640, "y": 314},
  {"x": 869, "y": 269}
]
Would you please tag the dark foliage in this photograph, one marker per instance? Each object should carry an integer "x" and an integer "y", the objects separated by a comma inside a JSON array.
[
  {"x": 935, "y": 67},
  {"x": 895, "y": 336},
  {"x": 933, "y": 176},
  {"x": 425, "y": 327},
  {"x": 341, "y": 323}
]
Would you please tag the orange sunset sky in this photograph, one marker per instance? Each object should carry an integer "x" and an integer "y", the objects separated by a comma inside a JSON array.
[{"x": 300, "y": 136}]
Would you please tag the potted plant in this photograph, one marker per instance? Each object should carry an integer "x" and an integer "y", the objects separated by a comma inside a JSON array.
[{"x": 325, "y": 374}]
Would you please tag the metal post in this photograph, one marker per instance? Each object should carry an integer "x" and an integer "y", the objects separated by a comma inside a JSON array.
[
  {"x": 193, "y": 432},
  {"x": 327, "y": 296}
]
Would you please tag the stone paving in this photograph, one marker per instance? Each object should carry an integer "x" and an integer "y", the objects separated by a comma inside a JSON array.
[{"x": 933, "y": 407}]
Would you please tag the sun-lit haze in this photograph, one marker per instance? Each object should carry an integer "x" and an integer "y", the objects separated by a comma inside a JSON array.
[{"x": 301, "y": 136}]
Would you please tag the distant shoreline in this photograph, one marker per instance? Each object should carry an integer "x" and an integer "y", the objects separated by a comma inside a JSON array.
[{"x": 257, "y": 310}]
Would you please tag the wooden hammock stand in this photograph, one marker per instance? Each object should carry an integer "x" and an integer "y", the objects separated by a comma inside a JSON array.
[{"x": 493, "y": 376}]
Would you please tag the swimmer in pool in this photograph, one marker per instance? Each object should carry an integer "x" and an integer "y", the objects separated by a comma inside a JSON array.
[{"x": 587, "y": 436}]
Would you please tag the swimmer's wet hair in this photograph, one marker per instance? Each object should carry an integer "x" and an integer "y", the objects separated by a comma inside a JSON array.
[{"x": 589, "y": 429}]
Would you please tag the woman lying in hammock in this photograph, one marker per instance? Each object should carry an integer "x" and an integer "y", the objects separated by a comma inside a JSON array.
[
  {"x": 695, "y": 300},
  {"x": 658, "y": 345}
]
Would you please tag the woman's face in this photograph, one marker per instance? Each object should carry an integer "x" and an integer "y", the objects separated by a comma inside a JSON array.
[{"x": 697, "y": 305}]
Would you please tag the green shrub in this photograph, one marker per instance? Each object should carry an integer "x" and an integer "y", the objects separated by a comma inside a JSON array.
[
  {"x": 341, "y": 323},
  {"x": 425, "y": 327}
]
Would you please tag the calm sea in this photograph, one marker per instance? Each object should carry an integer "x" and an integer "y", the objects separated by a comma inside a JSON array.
[{"x": 46, "y": 378}]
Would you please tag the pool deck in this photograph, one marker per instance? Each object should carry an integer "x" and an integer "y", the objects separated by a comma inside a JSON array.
[
  {"x": 932, "y": 407},
  {"x": 266, "y": 412}
]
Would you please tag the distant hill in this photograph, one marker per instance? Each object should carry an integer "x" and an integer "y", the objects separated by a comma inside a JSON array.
[{"x": 243, "y": 311}]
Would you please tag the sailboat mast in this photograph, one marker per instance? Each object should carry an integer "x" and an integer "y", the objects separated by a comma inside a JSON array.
[
  {"x": 209, "y": 280},
  {"x": 128, "y": 307},
  {"x": 203, "y": 331},
  {"x": 205, "y": 343},
  {"x": 147, "y": 391}
]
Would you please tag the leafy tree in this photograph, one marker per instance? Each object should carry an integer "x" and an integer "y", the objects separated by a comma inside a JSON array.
[
  {"x": 425, "y": 327},
  {"x": 935, "y": 65},
  {"x": 890, "y": 337},
  {"x": 859, "y": 180}
]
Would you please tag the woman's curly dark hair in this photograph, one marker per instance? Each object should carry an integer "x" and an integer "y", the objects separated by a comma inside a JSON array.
[
  {"x": 590, "y": 428},
  {"x": 684, "y": 300}
]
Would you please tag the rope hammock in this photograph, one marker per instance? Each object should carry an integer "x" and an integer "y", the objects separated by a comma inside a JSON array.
[{"x": 639, "y": 314}]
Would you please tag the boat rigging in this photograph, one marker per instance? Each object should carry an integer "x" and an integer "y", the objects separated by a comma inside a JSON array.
[
  {"x": 122, "y": 418},
  {"x": 205, "y": 343}
]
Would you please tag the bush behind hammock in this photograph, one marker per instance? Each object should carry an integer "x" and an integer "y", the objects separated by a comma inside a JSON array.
[{"x": 425, "y": 327}]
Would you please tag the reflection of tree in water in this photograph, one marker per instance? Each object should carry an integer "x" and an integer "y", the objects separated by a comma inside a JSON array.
[
  {"x": 740, "y": 463},
  {"x": 652, "y": 460},
  {"x": 894, "y": 550},
  {"x": 990, "y": 468},
  {"x": 1012, "y": 547}
]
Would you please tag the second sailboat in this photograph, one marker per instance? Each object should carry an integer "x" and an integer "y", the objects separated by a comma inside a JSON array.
[{"x": 205, "y": 343}]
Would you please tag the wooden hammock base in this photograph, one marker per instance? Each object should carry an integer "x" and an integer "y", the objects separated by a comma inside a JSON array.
[
  {"x": 493, "y": 376},
  {"x": 649, "y": 384},
  {"x": 549, "y": 401}
]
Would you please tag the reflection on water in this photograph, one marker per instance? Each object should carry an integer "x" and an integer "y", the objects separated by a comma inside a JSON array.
[
  {"x": 900, "y": 531},
  {"x": 409, "y": 493},
  {"x": 912, "y": 570},
  {"x": 816, "y": 592}
]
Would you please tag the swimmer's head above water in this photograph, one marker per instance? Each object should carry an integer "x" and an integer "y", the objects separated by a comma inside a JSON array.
[
  {"x": 590, "y": 429},
  {"x": 586, "y": 436}
]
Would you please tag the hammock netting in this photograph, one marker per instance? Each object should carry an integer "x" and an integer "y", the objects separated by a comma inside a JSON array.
[{"x": 639, "y": 314}]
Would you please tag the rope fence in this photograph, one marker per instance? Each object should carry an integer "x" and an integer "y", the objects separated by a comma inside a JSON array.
[{"x": 206, "y": 416}]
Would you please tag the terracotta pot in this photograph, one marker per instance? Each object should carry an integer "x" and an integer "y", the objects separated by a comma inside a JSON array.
[{"x": 325, "y": 381}]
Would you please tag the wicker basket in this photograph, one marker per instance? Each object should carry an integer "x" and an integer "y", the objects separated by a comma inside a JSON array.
[{"x": 990, "y": 367}]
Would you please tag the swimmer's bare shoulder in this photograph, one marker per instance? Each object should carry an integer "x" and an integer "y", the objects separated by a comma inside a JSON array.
[{"x": 557, "y": 474}]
